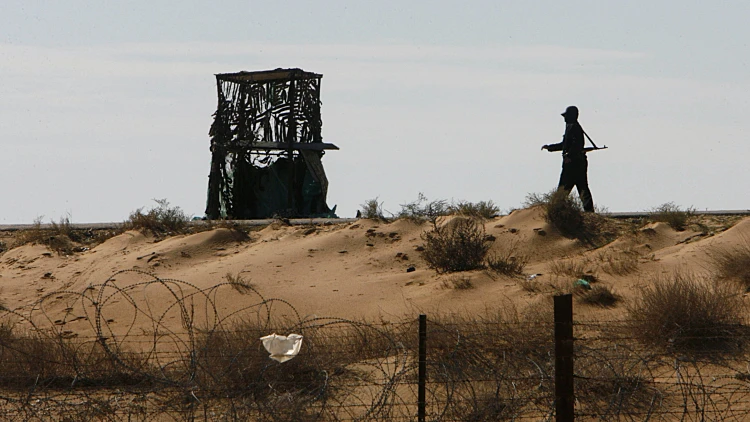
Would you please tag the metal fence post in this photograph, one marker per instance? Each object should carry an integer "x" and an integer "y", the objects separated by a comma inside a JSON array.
[
  {"x": 564, "y": 396},
  {"x": 422, "y": 389}
]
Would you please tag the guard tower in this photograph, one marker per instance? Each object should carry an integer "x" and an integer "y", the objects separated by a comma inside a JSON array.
[{"x": 266, "y": 147}]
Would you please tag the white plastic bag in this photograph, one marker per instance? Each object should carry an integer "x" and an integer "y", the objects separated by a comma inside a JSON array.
[{"x": 282, "y": 348}]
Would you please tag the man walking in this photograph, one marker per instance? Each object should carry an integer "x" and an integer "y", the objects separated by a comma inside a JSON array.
[{"x": 575, "y": 165}]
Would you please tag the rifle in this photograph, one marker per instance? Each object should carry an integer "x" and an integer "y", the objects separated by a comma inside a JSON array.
[{"x": 594, "y": 148}]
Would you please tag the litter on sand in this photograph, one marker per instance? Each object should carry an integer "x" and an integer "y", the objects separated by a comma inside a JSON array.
[
  {"x": 282, "y": 348},
  {"x": 583, "y": 283}
]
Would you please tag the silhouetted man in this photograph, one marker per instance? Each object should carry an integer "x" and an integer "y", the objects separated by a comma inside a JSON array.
[{"x": 575, "y": 165}]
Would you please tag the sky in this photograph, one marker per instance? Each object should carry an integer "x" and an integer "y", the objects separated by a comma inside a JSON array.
[{"x": 105, "y": 106}]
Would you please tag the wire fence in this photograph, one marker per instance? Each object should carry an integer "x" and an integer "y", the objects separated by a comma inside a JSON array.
[{"x": 140, "y": 348}]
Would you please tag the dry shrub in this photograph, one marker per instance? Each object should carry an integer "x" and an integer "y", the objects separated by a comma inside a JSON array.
[
  {"x": 733, "y": 263},
  {"x": 458, "y": 283},
  {"x": 64, "y": 227},
  {"x": 571, "y": 268},
  {"x": 238, "y": 283},
  {"x": 34, "y": 235},
  {"x": 228, "y": 363},
  {"x": 423, "y": 209},
  {"x": 481, "y": 209},
  {"x": 29, "y": 358},
  {"x": 460, "y": 245},
  {"x": 232, "y": 363},
  {"x": 686, "y": 313},
  {"x": 598, "y": 295},
  {"x": 491, "y": 350},
  {"x": 535, "y": 199},
  {"x": 599, "y": 230},
  {"x": 160, "y": 220},
  {"x": 372, "y": 209},
  {"x": 672, "y": 214},
  {"x": 59, "y": 237},
  {"x": 33, "y": 359},
  {"x": 508, "y": 262},
  {"x": 564, "y": 211},
  {"x": 614, "y": 381},
  {"x": 492, "y": 334}
]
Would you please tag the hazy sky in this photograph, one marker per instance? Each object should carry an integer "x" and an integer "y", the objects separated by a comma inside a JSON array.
[{"x": 106, "y": 105}]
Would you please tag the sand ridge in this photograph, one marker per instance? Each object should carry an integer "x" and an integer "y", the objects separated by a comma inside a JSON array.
[{"x": 359, "y": 269}]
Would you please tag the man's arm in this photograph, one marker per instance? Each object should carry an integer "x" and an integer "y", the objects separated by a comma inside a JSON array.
[{"x": 553, "y": 147}]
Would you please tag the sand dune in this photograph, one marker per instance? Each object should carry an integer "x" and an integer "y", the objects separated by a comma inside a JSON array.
[{"x": 359, "y": 270}]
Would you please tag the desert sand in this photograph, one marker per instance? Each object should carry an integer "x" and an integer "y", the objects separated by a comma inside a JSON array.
[
  {"x": 366, "y": 269},
  {"x": 176, "y": 300}
]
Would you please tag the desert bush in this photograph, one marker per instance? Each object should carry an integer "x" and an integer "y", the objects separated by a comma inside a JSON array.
[
  {"x": 159, "y": 220},
  {"x": 687, "y": 313},
  {"x": 572, "y": 268},
  {"x": 228, "y": 366},
  {"x": 492, "y": 333},
  {"x": 459, "y": 245},
  {"x": 491, "y": 349},
  {"x": 64, "y": 227},
  {"x": 34, "y": 359},
  {"x": 238, "y": 283},
  {"x": 733, "y": 263},
  {"x": 534, "y": 199},
  {"x": 507, "y": 262},
  {"x": 481, "y": 209},
  {"x": 34, "y": 235},
  {"x": 598, "y": 295},
  {"x": 58, "y": 237},
  {"x": 565, "y": 213},
  {"x": 372, "y": 209},
  {"x": 561, "y": 210},
  {"x": 424, "y": 209},
  {"x": 615, "y": 381},
  {"x": 672, "y": 214},
  {"x": 458, "y": 283},
  {"x": 226, "y": 362}
]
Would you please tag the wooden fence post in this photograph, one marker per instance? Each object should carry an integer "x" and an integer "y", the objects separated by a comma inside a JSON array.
[
  {"x": 564, "y": 395},
  {"x": 422, "y": 389}
]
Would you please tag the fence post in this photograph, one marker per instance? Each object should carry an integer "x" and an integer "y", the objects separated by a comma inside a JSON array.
[
  {"x": 564, "y": 396},
  {"x": 422, "y": 389}
]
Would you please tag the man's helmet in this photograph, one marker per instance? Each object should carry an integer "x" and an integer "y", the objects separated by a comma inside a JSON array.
[{"x": 570, "y": 111}]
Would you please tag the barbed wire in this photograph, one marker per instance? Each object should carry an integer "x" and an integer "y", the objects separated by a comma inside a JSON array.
[{"x": 138, "y": 347}]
